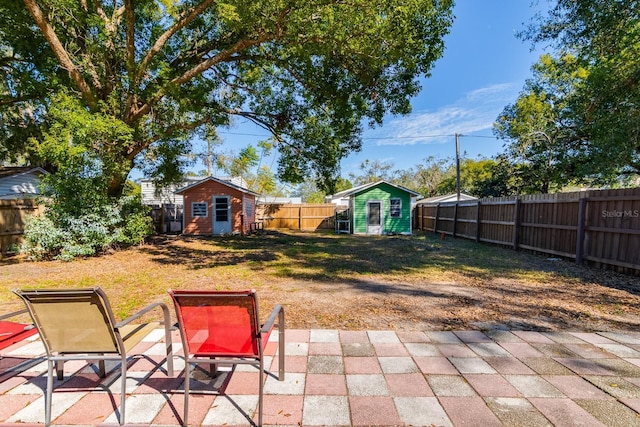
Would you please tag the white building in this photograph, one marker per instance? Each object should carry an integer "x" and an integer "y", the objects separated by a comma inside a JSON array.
[
  {"x": 20, "y": 182},
  {"x": 152, "y": 196}
]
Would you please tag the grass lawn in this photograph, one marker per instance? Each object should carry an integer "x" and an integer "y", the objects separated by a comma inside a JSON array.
[{"x": 342, "y": 281}]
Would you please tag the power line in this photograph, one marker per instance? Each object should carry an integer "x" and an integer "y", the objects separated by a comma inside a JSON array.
[{"x": 379, "y": 137}]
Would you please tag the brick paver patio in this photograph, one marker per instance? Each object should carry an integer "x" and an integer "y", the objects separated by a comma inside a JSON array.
[{"x": 360, "y": 378}]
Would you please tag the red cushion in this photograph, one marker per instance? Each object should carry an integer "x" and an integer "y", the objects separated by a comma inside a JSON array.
[
  {"x": 11, "y": 333},
  {"x": 219, "y": 331}
]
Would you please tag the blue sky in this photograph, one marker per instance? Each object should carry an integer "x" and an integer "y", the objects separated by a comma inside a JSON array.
[{"x": 483, "y": 69}]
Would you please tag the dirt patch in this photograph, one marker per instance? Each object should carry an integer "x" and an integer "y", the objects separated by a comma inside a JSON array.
[{"x": 355, "y": 282}]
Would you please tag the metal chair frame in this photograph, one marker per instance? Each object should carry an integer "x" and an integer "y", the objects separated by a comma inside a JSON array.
[
  {"x": 115, "y": 350},
  {"x": 15, "y": 314},
  {"x": 229, "y": 358}
]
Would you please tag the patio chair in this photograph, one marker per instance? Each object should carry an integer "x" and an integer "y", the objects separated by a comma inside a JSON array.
[
  {"x": 13, "y": 332},
  {"x": 78, "y": 324},
  {"x": 222, "y": 328}
]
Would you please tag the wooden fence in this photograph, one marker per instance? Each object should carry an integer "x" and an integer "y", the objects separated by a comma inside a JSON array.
[
  {"x": 601, "y": 227},
  {"x": 297, "y": 216},
  {"x": 13, "y": 215},
  {"x": 167, "y": 218}
]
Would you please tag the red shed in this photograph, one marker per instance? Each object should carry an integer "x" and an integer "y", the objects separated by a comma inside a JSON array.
[{"x": 213, "y": 206}]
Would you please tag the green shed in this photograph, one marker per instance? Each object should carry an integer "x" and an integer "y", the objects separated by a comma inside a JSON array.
[{"x": 378, "y": 208}]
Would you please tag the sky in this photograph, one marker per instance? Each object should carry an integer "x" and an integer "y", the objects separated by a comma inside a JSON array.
[{"x": 482, "y": 70}]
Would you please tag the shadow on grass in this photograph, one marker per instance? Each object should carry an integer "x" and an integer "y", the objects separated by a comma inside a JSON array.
[
  {"x": 327, "y": 256},
  {"x": 319, "y": 255},
  {"x": 521, "y": 289}
]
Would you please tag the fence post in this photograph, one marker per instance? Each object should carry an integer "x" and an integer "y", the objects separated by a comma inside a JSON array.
[
  {"x": 582, "y": 209},
  {"x": 455, "y": 218},
  {"x": 435, "y": 220},
  {"x": 478, "y": 220},
  {"x": 516, "y": 226},
  {"x": 162, "y": 208}
]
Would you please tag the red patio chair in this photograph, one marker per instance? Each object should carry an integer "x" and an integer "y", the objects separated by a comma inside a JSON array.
[
  {"x": 222, "y": 327},
  {"x": 13, "y": 332}
]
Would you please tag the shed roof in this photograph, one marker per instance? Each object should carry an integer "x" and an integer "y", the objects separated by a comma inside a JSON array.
[
  {"x": 358, "y": 189},
  {"x": 448, "y": 198},
  {"x": 7, "y": 171},
  {"x": 219, "y": 181}
]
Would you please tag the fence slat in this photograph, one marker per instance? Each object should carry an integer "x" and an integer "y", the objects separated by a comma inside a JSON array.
[
  {"x": 600, "y": 226},
  {"x": 297, "y": 216}
]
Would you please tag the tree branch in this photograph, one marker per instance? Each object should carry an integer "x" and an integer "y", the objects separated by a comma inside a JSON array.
[
  {"x": 188, "y": 16},
  {"x": 137, "y": 148},
  {"x": 197, "y": 70},
  {"x": 131, "y": 60},
  {"x": 61, "y": 53}
]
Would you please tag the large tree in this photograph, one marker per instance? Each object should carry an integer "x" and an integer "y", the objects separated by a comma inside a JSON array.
[
  {"x": 604, "y": 37},
  {"x": 545, "y": 143},
  {"x": 312, "y": 72}
]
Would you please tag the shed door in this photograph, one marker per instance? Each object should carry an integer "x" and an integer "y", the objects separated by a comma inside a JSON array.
[
  {"x": 374, "y": 217},
  {"x": 221, "y": 215}
]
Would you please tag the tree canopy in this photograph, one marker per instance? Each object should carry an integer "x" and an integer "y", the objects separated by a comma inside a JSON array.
[
  {"x": 583, "y": 102},
  {"x": 312, "y": 73},
  {"x": 546, "y": 147}
]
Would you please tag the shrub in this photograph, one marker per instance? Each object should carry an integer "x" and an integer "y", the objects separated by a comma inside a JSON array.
[{"x": 56, "y": 235}]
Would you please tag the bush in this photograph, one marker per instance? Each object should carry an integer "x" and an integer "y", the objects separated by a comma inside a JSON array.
[{"x": 55, "y": 235}]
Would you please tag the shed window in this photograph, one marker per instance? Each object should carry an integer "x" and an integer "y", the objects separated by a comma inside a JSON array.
[
  {"x": 198, "y": 209},
  {"x": 249, "y": 209},
  {"x": 395, "y": 208}
]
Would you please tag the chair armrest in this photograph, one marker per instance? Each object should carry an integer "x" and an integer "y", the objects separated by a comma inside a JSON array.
[
  {"x": 163, "y": 306},
  {"x": 13, "y": 314},
  {"x": 268, "y": 325},
  {"x": 167, "y": 329}
]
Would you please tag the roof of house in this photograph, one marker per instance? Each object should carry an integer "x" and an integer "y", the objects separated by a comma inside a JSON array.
[
  {"x": 279, "y": 200},
  {"x": 7, "y": 171},
  {"x": 219, "y": 181},
  {"x": 448, "y": 198},
  {"x": 360, "y": 188}
]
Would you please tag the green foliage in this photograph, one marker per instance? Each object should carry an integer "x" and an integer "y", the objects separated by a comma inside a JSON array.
[
  {"x": 56, "y": 235},
  {"x": 80, "y": 149},
  {"x": 424, "y": 177},
  {"x": 545, "y": 147},
  {"x": 478, "y": 178},
  {"x": 81, "y": 218},
  {"x": 602, "y": 105},
  {"x": 245, "y": 160},
  {"x": 265, "y": 182},
  {"x": 372, "y": 171},
  {"x": 312, "y": 73},
  {"x": 309, "y": 192}
]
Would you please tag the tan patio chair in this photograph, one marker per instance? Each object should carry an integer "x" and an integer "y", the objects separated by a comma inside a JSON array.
[
  {"x": 78, "y": 324},
  {"x": 220, "y": 327}
]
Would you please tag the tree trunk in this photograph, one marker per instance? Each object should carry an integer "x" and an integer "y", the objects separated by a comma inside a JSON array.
[{"x": 116, "y": 185}]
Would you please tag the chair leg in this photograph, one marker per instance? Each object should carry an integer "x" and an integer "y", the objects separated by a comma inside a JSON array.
[
  {"x": 60, "y": 369},
  {"x": 281, "y": 342},
  {"x": 213, "y": 368},
  {"x": 49, "y": 393},
  {"x": 169, "y": 345},
  {"x": 123, "y": 391},
  {"x": 187, "y": 374},
  {"x": 101, "y": 369},
  {"x": 260, "y": 392}
]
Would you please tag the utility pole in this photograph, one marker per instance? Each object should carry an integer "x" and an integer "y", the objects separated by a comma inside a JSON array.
[{"x": 458, "y": 165}]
